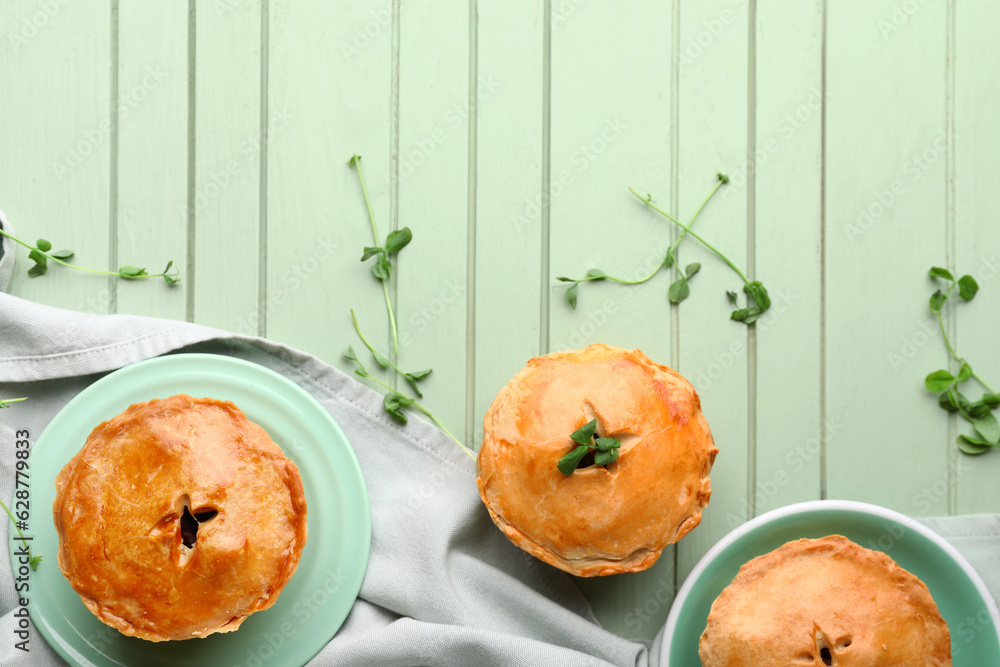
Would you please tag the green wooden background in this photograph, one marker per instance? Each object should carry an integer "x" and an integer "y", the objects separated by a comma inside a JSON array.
[{"x": 859, "y": 136}]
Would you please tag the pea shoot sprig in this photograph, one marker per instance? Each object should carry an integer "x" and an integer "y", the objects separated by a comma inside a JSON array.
[
  {"x": 978, "y": 413},
  {"x": 757, "y": 299},
  {"x": 33, "y": 561},
  {"x": 411, "y": 378},
  {"x": 679, "y": 289},
  {"x": 603, "y": 451},
  {"x": 42, "y": 252},
  {"x": 394, "y": 401},
  {"x": 6, "y": 402},
  {"x": 394, "y": 242}
]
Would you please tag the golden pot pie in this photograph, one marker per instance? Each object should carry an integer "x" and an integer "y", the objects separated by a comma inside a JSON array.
[
  {"x": 825, "y": 602},
  {"x": 601, "y": 519},
  {"x": 179, "y": 518}
]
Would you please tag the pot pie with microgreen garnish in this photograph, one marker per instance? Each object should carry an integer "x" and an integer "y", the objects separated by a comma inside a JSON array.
[
  {"x": 179, "y": 518},
  {"x": 825, "y": 602},
  {"x": 594, "y": 460}
]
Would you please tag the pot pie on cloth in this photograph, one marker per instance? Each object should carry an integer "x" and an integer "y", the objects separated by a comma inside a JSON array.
[
  {"x": 179, "y": 518},
  {"x": 823, "y": 602},
  {"x": 599, "y": 520}
]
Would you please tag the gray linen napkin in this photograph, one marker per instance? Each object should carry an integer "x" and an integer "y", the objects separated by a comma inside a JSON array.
[{"x": 420, "y": 604}]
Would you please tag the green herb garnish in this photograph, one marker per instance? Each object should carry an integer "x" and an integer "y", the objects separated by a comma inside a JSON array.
[
  {"x": 33, "y": 560},
  {"x": 42, "y": 252},
  {"x": 394, "y": 401},
  {"x": 757, "y": 300},
  {"x": 979, "y": 413},
  {"x": 395, "y": 242},
  {"x": 5, "y": 402},
  {"x": 679, "y": 289},
  {"x": 605, "y": 450},
  {"x": 411, "y": 378}
]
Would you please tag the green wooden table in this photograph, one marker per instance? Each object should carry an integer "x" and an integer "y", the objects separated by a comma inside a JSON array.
[{"x": 858, "y": 136}]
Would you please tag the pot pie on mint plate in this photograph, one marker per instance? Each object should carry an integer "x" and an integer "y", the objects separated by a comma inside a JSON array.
[
  {"x": 285, "y": 595},
  {"x": 832, "y": 583}
]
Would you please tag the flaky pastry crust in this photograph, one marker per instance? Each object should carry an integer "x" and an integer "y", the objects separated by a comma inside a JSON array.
[
  {"x": 125, "y": 506},
  {"x": 825, "y": 602},
  {"x": 599, "y": 520}
]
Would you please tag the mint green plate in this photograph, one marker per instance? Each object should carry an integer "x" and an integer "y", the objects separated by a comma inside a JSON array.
[
  {"x": 963, "y": 599},
  {"x": 319, "y": 596}
]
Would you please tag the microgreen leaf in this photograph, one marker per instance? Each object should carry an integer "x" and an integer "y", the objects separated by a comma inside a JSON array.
[
  {"x": 967, "y": 287},
  {"x": 988, "y": 427},
  {"x": 567, "y": 464},
  {"x": 740, "y": 315},
  {"x": 170, "y": 279},
  {"x": 38, "y": 269},
  {"x": 605, "y": 444},
  {"x": 965, "y": 372},
  {"x": 43, "y": 245},
  {"x": 732, "y": 296},
  {"x": 350, "y": 355},
  {"x": 63, "y": 254},
  {"x": 571, "y": 293},
  {"x": 939, "y": 380},
  {"x": 380, "y": 358},
  {"x": 946, "y": 402},
  {"x": 668, "y": 262},
  {"x": 605, "y": 457},
  {"x": 723, "y": 178},
  {"x": 355, "y": 159},
  {"x": 583, "y": 434},
  {"x": 394, "y": 402},
  {"x": 131, "y": 272},
  {"x": 370, "y": 251},
  {"x": 5, "y": 402},
  {"x": 566, "y": 280},
  {"x": 692, "y": 269},
  {"x": 938, "y": 272},
  {"x": 937, "y": 301},
  {"x": 596, "y": 274},
  {"x": 991, "y": 399},
  {"x": 381, "y": 268},
  {"x": 398, "y": 240},
  {"x": 679, "y": 290},
  {"x": 977, "y": 410},
  {"x": 972, "y": 446},
  {"x": 958, "y": 398}
]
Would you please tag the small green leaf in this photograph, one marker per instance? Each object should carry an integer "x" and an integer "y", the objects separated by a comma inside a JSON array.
[
  {"x": 420, "y": 375},
  {"x": 991, "y": 399},
  {"x": 413, "y": 385},
  {"x": 938, "y": 272},
  {"x": 722, "y": 177},
  {"x": 350, "y": 354},
  {"x": 565, "y": 279},
  {"x": 382, "y": 268},
  {"x": 670, "y": 259},
  {"x": 946, "y": 402},
  {"x": 37, "y": 257},
  {"x": 692, "y": 269},
  {"x": 43, "y": 245},
  {"x": 567, "y": 464},
  {"x": 679, "y": 290},
  {"x": 939, "y": 380},
  {"x": 758, "y": 292},
  {"x": 606, "y": 457},
  {"x": 584, "y": 434},
  {"x": 354, "y": 160},
  {"x": 34, "y": 561},
  {"x": 604, "y": 444},
  {"x": 967, "y": 287},
  {"x": 732, "y": 296},
  {"x": 753, "y": 314},
  {"x": 988, "y": 427},
  {"x": 571, "y": 293},
  {"x": 596, "y": 274},
  {"x": 37, "y": 270},
  {"x": 131, "y": 272},
  {"x": 965, "y": 372},
  {"x": 398, "y": 240},
  {"x": 393, "y": 403},
  {"x": 380, "y": 358},
  {"x": 977, "y": 410},
  {"x": 740, "y": 315},
  {"x": 61, "y": 254},
  {"x": 370, "y": 251},
  {"x": 937, "y": 301},
  {"x": 972, "y": 446},
  {"x": 958, "y": 398}
]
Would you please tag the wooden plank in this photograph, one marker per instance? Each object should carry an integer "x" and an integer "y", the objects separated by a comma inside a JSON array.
[
  {"x": 787, "y": 158},
  {"x": 225, "y": 198},
  {"x": 714, "y": 351},
  {"x": 152, "y": 153},
  {"x": 611, "y": 104},
  {"x": 977, "y": 243},
  {"x": 55, "y": 129},
  {"x": 433, "y": 173},
  {"x": 509, "y": 198},
  {"x": 317, "y": 219},
  {"x": 885, "y": 226}
]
